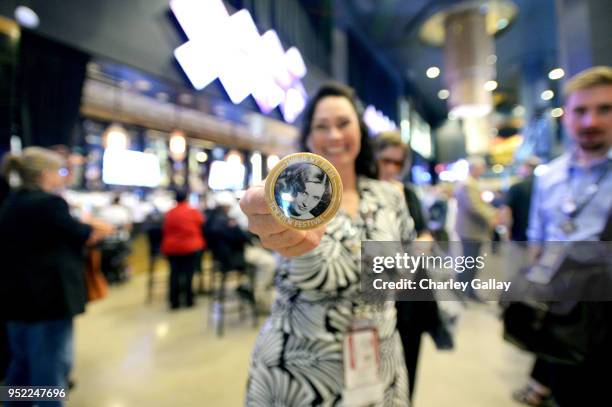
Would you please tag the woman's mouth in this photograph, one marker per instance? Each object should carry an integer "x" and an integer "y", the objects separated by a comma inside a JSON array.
[{"x": 335, "y": 150}]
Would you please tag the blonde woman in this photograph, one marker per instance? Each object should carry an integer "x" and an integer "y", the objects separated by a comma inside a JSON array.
[{"x": 42, "y": 282}]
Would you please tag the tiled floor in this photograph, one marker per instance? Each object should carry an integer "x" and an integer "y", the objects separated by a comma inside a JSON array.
[{"x": 129, "y": 353}]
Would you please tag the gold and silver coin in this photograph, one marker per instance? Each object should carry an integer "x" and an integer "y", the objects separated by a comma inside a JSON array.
[{"x": 303, "y": 191}]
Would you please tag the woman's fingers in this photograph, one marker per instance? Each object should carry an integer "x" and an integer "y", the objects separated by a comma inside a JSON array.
[
  {"x": 254, "y": 201},
  {"x": 264, "y": 225},
  {"x": 284, "y": 239},
  {"x": 274, "y": 235},
  {"x": 312, "y": 238}
]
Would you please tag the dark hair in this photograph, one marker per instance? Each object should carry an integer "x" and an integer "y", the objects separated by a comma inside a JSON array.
[
  {"x": 117, "y": 199},
  {"x": 180, "y": 195},
  {"x": 365, "y": 163}
]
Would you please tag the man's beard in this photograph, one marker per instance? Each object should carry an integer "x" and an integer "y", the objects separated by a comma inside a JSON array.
[{"x": 596, "y": 141}]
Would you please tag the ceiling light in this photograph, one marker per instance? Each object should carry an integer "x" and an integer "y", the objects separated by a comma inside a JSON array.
[
  {"x": 26, "y": 17},
  {"x": 556, "y": 112},
  {"x": 201, "y": 156},
  {"x": 490, "y": 86},
  {"x": 556, "y": 73},
  {"x": 443, "y": 94},
  {"x": 518, "y": 111},
  {"x": 177, "y": 145},
  {"x": 547, "y": 94},
  {"x": 432, "y": 72},
  {"x": 115, "y": 137}
]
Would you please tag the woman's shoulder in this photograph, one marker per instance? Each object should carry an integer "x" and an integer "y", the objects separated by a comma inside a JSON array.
[{"x": 381, "y": 189}]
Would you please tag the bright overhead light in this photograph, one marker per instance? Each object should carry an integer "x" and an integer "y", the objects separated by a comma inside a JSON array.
[
  {"x": 116, "y": 137},
  {"x": 26, "y": 17},
  {"x": 518, "y": 111},
  {"x": 547, "y": 94},
  {"x": 443, "y": 94},
  {"x": 432, "y": 72},
  {"x": 177, "y": 145},
  {"x": 201, "y": 156},
  {"x": 490, "y": 86},
  {"x": 556, "y": 73},
  {"x": 556, "y": 112}
]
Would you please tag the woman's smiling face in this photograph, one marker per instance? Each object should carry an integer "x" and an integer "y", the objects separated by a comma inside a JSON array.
[{"x": 335, "y": 132}]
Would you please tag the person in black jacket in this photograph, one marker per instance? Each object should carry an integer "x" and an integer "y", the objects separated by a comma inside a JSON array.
[
  {"x": 42, "y": 282},
  {"x": 413, "y": 318}
]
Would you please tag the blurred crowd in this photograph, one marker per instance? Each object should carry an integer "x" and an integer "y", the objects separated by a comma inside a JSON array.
[{"x": 44, "y": 242}]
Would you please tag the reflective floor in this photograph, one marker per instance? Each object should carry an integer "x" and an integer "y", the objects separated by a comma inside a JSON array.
[{"x": 129, "y": 353}]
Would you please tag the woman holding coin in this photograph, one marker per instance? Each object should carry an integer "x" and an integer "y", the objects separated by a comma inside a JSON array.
[{"x": 320, "y": 321}]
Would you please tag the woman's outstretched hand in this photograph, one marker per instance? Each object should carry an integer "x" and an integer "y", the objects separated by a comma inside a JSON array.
[{"x": 274, "y": 235}]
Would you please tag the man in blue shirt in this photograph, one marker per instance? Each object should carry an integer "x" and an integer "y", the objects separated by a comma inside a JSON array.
[{"x": 571, "y": 202}]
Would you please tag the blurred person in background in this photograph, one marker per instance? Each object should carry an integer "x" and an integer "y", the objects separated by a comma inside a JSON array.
[
  {"x": 116, "y": 247},
  {"x": 263, "y": 259},
  {"x": 42, "y": 279},
  {"x": 413, "y": 317},
  {"x": 571, "y": 202},
  {"x": 441, "y": 215},
  {"x": 391, "y": 155},
  {"x": 475, "y": 219},
  {"x": 227, "y": 241},
  {"x": 182, "y": 239},
  {"x": 318, "y": 279},
  {"x": 119, "y": 216},
  {"x": 518, "y": 200}
]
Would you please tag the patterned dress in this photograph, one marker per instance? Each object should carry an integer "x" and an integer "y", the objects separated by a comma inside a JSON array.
[{"x": 297, "y": 359}]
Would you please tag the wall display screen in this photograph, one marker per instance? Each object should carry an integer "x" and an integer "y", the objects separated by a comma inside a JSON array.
[
  {"x": 226, "y": 175},
  {"x": 130, "y": 168}
]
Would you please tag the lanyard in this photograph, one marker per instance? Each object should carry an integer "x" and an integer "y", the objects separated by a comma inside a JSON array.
[{"x": 570, "y": 208}]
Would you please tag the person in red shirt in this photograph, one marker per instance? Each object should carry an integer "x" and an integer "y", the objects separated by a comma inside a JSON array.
[{"x": 182, "y": 239}]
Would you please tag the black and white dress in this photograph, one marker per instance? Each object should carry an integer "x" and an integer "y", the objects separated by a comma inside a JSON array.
[{"x": 297, "y": 359}]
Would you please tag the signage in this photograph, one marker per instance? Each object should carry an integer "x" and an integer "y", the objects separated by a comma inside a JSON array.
[{"x": 229, "y": 48}]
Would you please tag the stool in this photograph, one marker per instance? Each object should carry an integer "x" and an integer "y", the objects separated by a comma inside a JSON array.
[{"x": 245, "y": 297}]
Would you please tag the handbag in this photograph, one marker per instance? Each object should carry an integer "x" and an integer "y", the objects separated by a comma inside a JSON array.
[
  {"x": 561, "y": 332},
  {"x": 97, "y": 286}
]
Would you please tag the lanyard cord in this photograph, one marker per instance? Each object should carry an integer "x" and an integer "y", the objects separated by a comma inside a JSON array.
[{"x": 574, "y": 214}]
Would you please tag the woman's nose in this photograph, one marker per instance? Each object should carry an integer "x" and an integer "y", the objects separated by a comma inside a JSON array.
[{"x": 334, "y": 133}]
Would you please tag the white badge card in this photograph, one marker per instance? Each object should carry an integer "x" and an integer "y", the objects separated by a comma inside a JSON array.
[{"x": 361, "y": 352}]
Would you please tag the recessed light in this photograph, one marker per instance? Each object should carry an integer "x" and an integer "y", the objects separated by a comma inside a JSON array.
[
  {"x": 432, "y": 72},
  {"x": 443, "y": 94},
  {"x": 556, "y": 73},
  {"x": 490, "y": 86},
  {"x": 26, "y": 17},
  {"x": 547, "y": 94},
  {"x": 556, "y": 112}
]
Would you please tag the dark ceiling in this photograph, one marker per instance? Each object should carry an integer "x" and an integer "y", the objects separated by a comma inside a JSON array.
[{"x": 391, "y": 29}]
